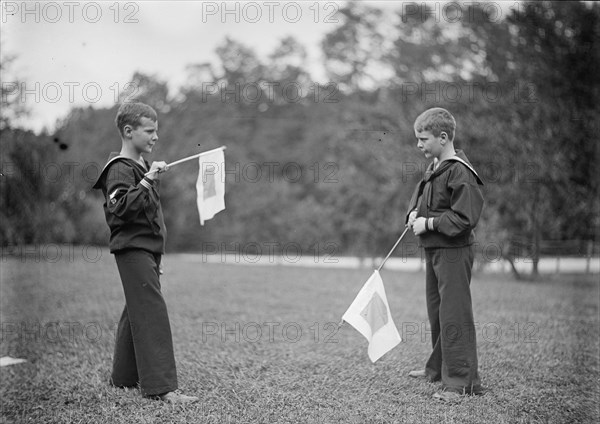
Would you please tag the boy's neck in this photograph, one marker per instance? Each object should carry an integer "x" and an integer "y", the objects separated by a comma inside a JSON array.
[
  {"x": 447, "y": 153},
  {"x": 131, "y": 153}
]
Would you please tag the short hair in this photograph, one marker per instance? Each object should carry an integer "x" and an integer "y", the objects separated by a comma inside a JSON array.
[
  {"x": 131, "y": 113},
  {"x": 436, "y": 120}
]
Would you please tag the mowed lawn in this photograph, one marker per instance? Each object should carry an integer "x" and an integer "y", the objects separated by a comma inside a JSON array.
[{"x": 261, "y": 345}]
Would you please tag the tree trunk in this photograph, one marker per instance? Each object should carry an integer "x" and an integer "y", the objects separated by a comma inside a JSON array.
[
  {"x": 515, "y": 272},
  {"x": 535, "y": 255}
]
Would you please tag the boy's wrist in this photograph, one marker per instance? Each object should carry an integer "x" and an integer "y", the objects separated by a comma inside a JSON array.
[
  {"x": 147, "y": 182},
  {"x": 429, "y": 224}
]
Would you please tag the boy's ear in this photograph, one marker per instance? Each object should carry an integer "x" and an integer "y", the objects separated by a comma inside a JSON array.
[
  {"x": 127, "y": 131},
  {"x": 444, "y": 137}
]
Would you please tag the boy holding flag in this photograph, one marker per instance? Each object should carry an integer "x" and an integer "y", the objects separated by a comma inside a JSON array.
[
  {"x": 144, "y": 348},
  {"x": 443, "y": 211}
]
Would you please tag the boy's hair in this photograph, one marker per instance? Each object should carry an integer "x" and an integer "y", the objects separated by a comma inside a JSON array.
[
  {"x": 436, "y": 120},
  {"x": 131, "y": 113}
]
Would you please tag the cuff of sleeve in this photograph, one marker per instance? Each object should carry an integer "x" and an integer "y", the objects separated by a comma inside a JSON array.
[
  {"x": 434, "y": 223},
  {"x": 147, "y": 183}
]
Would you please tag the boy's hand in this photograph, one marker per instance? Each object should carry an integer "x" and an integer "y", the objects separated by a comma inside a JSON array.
[
  {"x": 158, "y": 167},
  {"x": 419, "y": 226},
  {"x": 411, "y": 218}
]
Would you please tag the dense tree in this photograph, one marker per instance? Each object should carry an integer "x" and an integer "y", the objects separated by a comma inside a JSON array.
[
  {"x": 543, "y": 126},
  {"x": 330, "y": 168}
]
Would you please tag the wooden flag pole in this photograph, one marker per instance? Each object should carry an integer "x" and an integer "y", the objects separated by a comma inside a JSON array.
[
  {"x": 383, "y": 263},
  {"x": 393, "y": 248},
  {"x": 177, "y": 162}
]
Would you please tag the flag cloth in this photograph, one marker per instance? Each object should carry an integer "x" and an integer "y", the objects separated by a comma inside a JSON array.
[
  {"x": 370, "y": 315},
  {"x": 211, "y": 185}
]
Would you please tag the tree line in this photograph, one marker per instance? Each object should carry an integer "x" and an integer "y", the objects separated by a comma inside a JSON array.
[{"x": 330, "y": 167}]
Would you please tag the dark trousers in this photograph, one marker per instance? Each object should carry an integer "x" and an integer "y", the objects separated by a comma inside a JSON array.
[
  {"x": 448, "y": 292},
  {"x": 144, "y": 346}
]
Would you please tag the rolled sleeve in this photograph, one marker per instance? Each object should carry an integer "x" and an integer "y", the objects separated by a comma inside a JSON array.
[
  {"x": 126, "y": 199},
  {"x": 466, "y": 204}
]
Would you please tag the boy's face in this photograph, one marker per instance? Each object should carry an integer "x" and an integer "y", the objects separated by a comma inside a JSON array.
[
  {"x": 429, "y": 144},
  {"x": 144, "y": 136}
]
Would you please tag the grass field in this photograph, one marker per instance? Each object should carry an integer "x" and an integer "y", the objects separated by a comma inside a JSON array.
[{"x": 258, "y": 345}]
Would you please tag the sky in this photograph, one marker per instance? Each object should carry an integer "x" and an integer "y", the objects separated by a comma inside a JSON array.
[{"x": 84, "y": 53}]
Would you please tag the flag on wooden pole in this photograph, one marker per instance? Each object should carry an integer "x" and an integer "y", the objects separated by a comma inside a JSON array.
[
  {"x": 370, "y": 315},
  {"x": 210, "y": 186}
]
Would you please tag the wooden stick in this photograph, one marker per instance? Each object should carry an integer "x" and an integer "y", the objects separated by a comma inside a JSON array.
[
  {"x": 177, "y": 162},
  {"x": 382, "y": 264},
  {"x": 393, "y": 248}
]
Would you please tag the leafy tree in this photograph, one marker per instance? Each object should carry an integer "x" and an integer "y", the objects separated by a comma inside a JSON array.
[
  {"x": 337, "y": 165},
  {"x": 543, "y": 128},
  {"x": 353, "y": 46},
  {"x": 12, "y": 108}
]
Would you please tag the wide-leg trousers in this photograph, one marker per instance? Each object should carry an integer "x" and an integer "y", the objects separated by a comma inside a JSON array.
[
  {"x": 449, "y": 307},
  {"x": 144, "y": 345}
]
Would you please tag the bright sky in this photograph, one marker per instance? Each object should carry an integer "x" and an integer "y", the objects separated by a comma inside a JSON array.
[
  {"x": 72, "y": 53},
  {"x": 58, "y": 45}
]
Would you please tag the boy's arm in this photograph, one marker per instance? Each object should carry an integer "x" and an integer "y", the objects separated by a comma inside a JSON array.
[
  {"x": 466, "y": 204},
  {"x": 124, "y": 198},
  {"x": 411, "y": 213}
]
